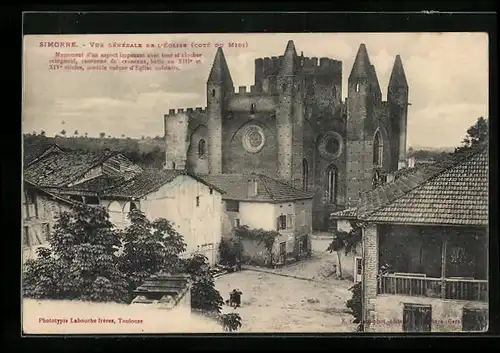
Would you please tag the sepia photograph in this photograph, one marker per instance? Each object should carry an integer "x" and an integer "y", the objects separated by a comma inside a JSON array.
[{"x": 255, "y": 183}]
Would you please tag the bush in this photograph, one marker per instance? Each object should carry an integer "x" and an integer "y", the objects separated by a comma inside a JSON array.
[
  {"x": 355, "y": 304},
  {"x": 230, "y": 251}
]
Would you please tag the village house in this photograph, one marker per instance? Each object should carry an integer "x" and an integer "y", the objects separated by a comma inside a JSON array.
[
  {"x": 112, "y": 181},
  {"x": 192, "y": 205},
  {"x": 425, "y": 248},
  {"x": 261, "y": 202}
]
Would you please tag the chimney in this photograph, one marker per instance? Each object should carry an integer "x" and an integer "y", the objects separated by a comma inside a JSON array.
[
  {"x": 252, "y": 188},
  {"x": 411, "y": 162},
  {"x": 389, "y": 177}
]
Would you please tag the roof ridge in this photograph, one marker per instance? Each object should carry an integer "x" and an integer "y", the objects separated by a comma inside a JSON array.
[
  {"x": 454, "y": 160},
  {"x": 265, "y": 186}
]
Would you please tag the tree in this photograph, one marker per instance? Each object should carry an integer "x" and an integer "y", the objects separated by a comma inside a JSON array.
[
  {"x": 205, "y": 298},
  {"x": 102, "y": 135},
  {"x": 42, "y": 133},
  {"x": 63, "y": 132},
  {"x": 149, "y": 248},
  {"x": 123, "y": 135},
  {"x": 86, "y": 134},
  {"x": 346, "y": 241},
  {"x": 81, "y": 262},
  {"x": 476, "y": 135}
]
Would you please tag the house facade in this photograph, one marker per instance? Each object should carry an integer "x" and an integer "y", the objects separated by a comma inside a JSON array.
[
  {"x": 40, "y": 210},
  {"x": 425, "y": 248},
  {"x": 260, "y": 202},
  {"x": 112, "y": 181},
  {"x": 193, "y": 206}
]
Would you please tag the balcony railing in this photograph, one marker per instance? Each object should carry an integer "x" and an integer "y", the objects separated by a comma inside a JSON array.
[{"x": 420, "y": 285}]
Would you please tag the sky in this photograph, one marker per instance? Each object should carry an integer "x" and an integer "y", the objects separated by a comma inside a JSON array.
[{"x": 447, "y": 75}]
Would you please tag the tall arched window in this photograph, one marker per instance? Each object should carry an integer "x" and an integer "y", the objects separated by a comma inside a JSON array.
[
  {"x": 213, "y": 92},
  {"x": 331, "y": 186},
  {"x": 378, "y": 149},
  {"x": 201, "y": 148},
  {"x": 305, "y": 174}
]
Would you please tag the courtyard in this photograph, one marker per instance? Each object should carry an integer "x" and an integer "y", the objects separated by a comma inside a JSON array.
[{"x": 301, "y": 297}]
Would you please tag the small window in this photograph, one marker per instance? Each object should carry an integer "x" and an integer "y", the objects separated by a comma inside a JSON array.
[
  {"x": 252, "y": 108},
  {"x": 213, "y": 92},
  {"x": 232, "y": 206},
  {"x": 289, "y": 223},
  {"x": 236, "y": 222},
  {"x": 211, "y": 191},
  {"x": 197, "y": 201},
  {"x": 417, "y": 318},
  {"x": 284, "y": 87},
  {"x": 173, "y": 165},
  {"x": 201, "y": 148},
  {"x": 281, "y": 222},
  {"x": 334, "y": 91},
  {"x": 475, "y": 320},
  {"x": 356, "y": 88}
]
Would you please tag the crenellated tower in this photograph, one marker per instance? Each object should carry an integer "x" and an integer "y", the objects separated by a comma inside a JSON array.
[
  {"x": 397, "y": 99},
  {"x": 219, "y": 89}
]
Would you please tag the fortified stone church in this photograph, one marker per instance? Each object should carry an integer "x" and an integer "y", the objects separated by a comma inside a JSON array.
[{"x": 293, "y": 125}]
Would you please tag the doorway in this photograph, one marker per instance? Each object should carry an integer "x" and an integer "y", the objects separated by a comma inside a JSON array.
[{"x": 282, "y": 252}]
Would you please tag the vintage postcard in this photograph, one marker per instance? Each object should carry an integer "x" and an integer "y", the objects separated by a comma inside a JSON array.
[{"x": 264, "y": 182}]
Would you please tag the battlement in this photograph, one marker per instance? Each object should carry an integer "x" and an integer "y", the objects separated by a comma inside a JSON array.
[
  {"x": 271, "y": 65},
  {"x": 321, "y": 64},
  {"x": 188, "y": 111},
  {"x": 244, "y": 90}
]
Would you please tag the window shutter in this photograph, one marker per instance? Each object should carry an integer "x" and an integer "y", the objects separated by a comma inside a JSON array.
[{"x": 278, "y": 223}]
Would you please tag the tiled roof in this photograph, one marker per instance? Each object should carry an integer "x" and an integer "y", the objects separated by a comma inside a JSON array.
[
  {"x": 94, "y": 185},
  {"x": 235, "y": 187},
  {"x": 453, "y": 191},
  {"x": 34, "y": 150},
  {"x": 344, "y": 214},
  {"x": 148, "y": 181},
  {"x": 56, "y": 170}
]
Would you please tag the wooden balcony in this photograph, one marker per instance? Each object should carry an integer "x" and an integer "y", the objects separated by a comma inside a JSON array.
[{"x": 444, "y": 288}]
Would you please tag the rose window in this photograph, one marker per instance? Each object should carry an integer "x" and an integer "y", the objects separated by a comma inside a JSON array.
[{"x": 253, "y": 139}]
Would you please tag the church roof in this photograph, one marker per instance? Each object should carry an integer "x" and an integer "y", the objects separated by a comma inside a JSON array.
[
  {"x": 235, "y": 187},
  {"x": 453, "y": 191}
]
